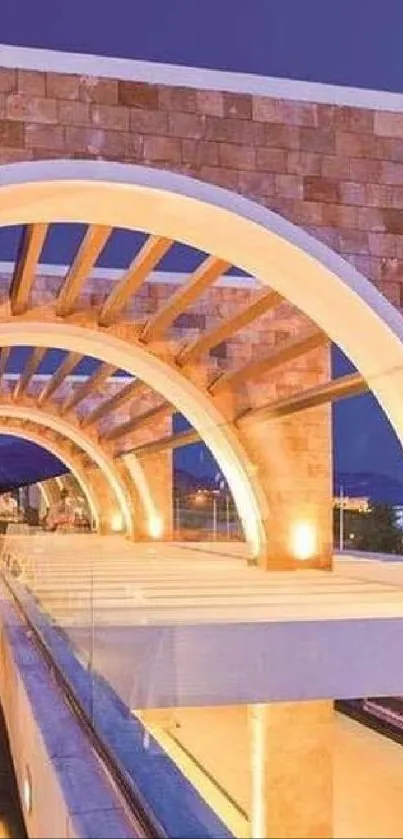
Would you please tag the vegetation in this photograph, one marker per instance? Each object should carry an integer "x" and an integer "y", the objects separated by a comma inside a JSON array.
[{"x": 375, "y": 530}]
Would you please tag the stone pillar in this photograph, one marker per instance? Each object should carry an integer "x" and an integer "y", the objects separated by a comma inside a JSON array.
[
  {"x": 159, "y": 474},
  {"x": 293, "y": 456},
  {"x": 291, "y": 748}
]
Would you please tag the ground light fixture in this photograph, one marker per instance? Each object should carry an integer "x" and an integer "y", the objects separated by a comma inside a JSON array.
[
  {"x": 27, "y": 790},
  {"x": 304, "y": 540}
]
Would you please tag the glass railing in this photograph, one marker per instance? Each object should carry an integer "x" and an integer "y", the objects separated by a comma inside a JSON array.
[{"x": 113, "y": 634}]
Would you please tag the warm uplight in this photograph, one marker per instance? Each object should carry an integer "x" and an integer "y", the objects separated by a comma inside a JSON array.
[
  {"x": 304, "y": 541},
  {"x": 155, "y": 527},
  {"x": 27, "y": 791},
  {"x": 117, "y": 522}
]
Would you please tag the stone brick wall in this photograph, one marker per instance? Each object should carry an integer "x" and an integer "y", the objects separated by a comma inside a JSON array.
[{"x": 336, "y": 171}]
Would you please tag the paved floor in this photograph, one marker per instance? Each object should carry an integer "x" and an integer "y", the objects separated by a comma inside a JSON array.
[
  {"x": 77, "y": 578},
  {"x": 11, "y": 822}
]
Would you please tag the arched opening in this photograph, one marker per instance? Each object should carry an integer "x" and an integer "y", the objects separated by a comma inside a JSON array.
[{"x": 35, "y": 435}]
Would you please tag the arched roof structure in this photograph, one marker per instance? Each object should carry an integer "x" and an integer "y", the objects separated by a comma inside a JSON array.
[{"x": 343, "y": 305}]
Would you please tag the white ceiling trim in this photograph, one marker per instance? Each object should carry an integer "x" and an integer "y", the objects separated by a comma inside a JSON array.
[{"x": 151, "y": 72}]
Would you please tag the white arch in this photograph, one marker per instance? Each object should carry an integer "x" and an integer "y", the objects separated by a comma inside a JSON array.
[
  {"x": 321, "y": 284},
  {"x": 53, "y": 448},
  {"x": 67, "y": 430}
]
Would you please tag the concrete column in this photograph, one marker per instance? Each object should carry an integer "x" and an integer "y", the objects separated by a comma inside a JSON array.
[
  {"x": 291, "y": 748},
  {"x": 293, "y": 456}
]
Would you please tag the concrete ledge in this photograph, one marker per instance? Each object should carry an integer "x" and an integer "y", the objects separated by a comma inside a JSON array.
[{"x": 71, "y": 794}]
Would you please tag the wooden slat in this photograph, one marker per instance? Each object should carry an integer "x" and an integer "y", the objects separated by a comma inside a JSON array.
[
  {"x": 31, "y": 246},
  {"x": 140, "y": 421},
  {"x": 101, "y": 375},
  {"x": 293, "y": 347},
  {"x": 205, "y": 275},
  {"x": 174, "y": 441},
  {"x": 129, "y": 391},
  {"x": 333, "y": 391},
  {"x": 93, "y": 243},
  {"x": 58, "y": 377},
  {"x": 151, "y": 253},
  {"x": 34, "y": 359},
  {"x": 259, "y": 305}
]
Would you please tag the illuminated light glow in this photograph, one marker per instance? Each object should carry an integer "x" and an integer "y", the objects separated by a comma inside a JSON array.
[
  {"x": 27, "y": 791},
  {"x": 241, "y": 232},
  {"x": 117, "y": 522},
  {"x": 156, "y": 527},
  {"x": 304, "y": 541}
]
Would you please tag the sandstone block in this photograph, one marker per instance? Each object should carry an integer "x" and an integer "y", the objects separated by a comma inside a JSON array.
[
  {"x": 138, "y": 95},
  {"x": 30, "y": 108},
  {"x": 236, "y": 157},
  {"x": 177, "y": 99},
  {"x": 320, "y": 189},
  {"x": 237, "y": 105},
  {"x": 271, "y": 160},
  {"x": 162, "y": 149},
  {"x": 186, "y": 125},
  {"x": 210, "y": 103},
  {"x": 31, "y": 82}
]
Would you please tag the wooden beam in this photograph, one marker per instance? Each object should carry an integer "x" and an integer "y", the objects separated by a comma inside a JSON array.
[
  {"x": 101, "y": 375},
  {"x": 174, "y": 441},
  {"x": 141, "y": 421},
  {"x": 31, "y": 245},
  {"x": 205, "y": 275},
  {"x": 333, "y": 391},
  {"x": 4, "y": 356},
  {"x": 65, "y": 368},
  {"x": 150, "y": 254},
  {"x": 34, "y": 359},
  {"x": 131, "y": 390},
  {"x": 93, "y": 243},
  {"x": 293, "y": 347},
  {"x": 259, "y": 305}
]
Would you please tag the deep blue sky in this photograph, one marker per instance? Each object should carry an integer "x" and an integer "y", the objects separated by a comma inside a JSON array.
[{"x": 350, "y": 43}]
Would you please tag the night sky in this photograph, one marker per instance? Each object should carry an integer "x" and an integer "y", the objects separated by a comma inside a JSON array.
[{"x": 348, "y": 43}]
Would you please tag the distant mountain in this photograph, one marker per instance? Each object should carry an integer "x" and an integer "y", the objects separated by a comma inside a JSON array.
[
  {"x": 186, "y": 482},
  {"x": 379, "y": 488}
]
